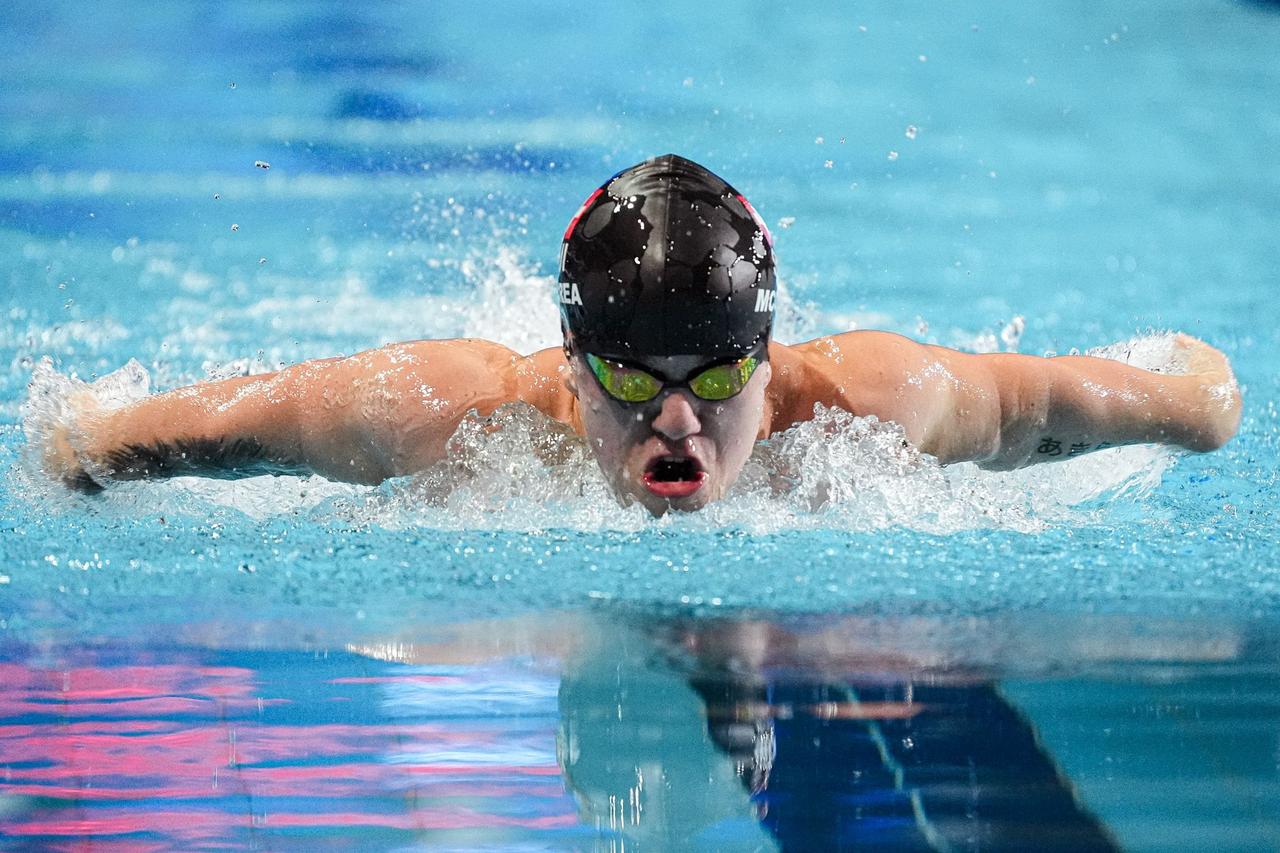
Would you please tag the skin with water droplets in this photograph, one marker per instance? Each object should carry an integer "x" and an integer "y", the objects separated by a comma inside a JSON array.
[{"x": 364, "y": 418}]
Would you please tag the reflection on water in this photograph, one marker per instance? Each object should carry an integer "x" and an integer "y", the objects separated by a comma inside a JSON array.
[{"x": 639, "y": 733}]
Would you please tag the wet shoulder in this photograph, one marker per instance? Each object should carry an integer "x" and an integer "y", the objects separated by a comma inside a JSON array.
[
  {"x": 860, "y": 372},
  {"x": 462, "y": 371},
  {"x": 542, "y": 382}
]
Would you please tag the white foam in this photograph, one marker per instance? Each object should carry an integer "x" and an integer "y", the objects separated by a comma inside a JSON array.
[{"x": 521, "y": 471}]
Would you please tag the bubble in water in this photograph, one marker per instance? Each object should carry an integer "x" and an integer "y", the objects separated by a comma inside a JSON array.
[
  {"x": 231, "y": 85},
  {"x": 893, "y": 155},
  {"x": 262, "y": 164},
  {"x": 235, "y": 227},
  {"x": 786, "y": 222},
  {"x": 261, "y": 261},
  {"x": 1011, "y": 334},
  {"x": 911, "y": 132}
]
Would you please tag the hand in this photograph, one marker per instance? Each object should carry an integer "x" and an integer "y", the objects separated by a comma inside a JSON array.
[
  {"x": 60, "y": 459},
  {"x": 1217, "y": 391}
]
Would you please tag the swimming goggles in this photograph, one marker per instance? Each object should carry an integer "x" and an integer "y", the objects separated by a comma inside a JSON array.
[{"x": 634, "y": 385}]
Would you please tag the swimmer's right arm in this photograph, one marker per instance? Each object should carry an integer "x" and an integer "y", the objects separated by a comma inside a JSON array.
[{"x": 359, "y": 419}]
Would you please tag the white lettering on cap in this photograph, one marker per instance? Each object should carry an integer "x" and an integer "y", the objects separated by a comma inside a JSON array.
[
  {"x": 569, "y": 293},
  {"x": 764, "y": 300}
]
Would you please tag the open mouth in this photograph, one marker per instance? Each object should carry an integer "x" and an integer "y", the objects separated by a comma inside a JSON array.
[{"x": 674, "y": 476}]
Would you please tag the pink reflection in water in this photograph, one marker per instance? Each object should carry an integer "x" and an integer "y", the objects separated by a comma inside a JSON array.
[{"x": 173, "y": 754}]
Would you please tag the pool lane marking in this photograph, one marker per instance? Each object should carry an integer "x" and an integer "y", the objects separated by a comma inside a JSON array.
[{"x": 931, "y": 835}]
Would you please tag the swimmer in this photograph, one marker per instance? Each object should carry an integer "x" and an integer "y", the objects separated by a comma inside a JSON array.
[{"x": 667, "y": 296}]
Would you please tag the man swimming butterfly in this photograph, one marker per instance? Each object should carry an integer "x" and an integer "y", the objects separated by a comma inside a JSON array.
[{"x": 666, "y": 294}]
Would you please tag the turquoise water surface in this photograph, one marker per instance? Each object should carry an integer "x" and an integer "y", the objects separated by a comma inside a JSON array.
[{"x": 495, "y": 656}]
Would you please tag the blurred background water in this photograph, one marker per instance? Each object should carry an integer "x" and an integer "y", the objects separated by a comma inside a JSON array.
[{"x": 1040, "y": 179}]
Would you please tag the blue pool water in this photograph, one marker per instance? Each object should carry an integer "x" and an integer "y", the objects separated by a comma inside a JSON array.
[{"x": 493, "y": 656}]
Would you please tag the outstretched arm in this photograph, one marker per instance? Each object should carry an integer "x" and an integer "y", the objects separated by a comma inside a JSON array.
[
  {"x": 359, "y": 419},
  {"x": 1006, "y": 410}
]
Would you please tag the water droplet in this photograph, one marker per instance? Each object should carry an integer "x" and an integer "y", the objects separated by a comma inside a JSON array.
[{"x": 1012, "y": 333}]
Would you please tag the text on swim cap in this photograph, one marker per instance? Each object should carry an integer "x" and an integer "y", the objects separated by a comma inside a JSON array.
[
  {"x": 569, "y": 294},
  {"x": 764, "y": 300}
]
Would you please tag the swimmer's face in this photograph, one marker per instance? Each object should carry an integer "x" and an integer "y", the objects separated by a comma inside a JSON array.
[{"x": 676, "y": 451}]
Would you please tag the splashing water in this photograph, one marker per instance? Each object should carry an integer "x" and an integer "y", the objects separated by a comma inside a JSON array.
[
  {"x": 56, "y": 404},
  {"x": 519, "y": 470}
]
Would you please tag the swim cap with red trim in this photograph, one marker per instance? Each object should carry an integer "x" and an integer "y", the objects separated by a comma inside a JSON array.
[{"x": 667, "y": 259}]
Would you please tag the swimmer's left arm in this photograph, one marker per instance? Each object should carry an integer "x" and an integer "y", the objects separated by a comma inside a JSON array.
[{"x": 1007, "y": 411}]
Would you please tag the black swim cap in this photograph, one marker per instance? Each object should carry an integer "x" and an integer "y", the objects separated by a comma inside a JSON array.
[{"x": 667, "y": 259}]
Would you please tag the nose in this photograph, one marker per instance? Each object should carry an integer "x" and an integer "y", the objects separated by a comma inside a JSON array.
[{"x": 677, "y": 420}]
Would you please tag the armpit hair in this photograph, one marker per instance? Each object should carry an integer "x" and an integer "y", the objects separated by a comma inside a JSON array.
[{"x": 219, "y": 458}]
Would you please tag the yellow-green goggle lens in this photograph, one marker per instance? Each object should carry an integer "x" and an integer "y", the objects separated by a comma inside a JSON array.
[
  {"x": 632, "y": 385},
  {"x": 724, "y": 380},
  {"x": 624, "y": 383}
]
